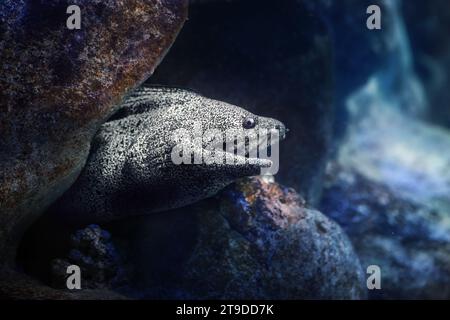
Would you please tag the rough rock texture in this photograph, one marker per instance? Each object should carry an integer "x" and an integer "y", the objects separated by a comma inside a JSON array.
[
  {"x": 99, "y": 261},
  {"x": 256, "y": 240},
  {"x": 273, "y": 60},
  {"x": 58, "y": 85},
  {"x": 19, "y": 286},
  {"x": 409, "y": 241}
]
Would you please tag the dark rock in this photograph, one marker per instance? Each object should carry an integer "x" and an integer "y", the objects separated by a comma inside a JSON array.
[
  {"x": 391, "y": 189},
  {"x": 19, "y": 286},
  {"x": 408, "y": 240},
  {"x": 274, "y": 60},
  {"x": 57, "y": 86},
  {"x": 59, "y": 273},
  {"x": 99, "y": 261},
  {"x": 256, "y": 240}
]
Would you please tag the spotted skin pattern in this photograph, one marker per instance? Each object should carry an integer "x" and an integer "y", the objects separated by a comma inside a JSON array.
[{"x": 130, "y": 170}]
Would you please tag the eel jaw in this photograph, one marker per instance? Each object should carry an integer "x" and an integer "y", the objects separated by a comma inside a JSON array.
[
  {"x": 246, "y": 160},
  {"x": 230, "y": 159}
]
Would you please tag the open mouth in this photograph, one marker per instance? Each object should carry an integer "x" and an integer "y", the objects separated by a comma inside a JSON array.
[{"x": 257, "y": 148}]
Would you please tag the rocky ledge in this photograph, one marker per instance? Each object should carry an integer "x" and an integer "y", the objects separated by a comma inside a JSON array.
[{"x": 255, "y": 240}]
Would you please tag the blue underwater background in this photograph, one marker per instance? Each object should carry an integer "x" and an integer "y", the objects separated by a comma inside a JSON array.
[{"x": 364, "y": 172}]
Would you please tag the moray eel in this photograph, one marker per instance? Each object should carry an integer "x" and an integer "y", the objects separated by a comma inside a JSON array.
[{"x": 130, "y": 170}]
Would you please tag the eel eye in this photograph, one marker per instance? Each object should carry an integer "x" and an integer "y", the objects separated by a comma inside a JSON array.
[{"x": 249, "y": 123}]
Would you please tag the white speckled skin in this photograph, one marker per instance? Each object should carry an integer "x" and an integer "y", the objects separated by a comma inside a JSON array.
[{"x": 130, "y": 171}]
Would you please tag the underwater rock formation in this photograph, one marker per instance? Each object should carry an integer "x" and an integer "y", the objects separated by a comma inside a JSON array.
[
  {"x": 95, "y": 254},
  {"x": 390, "y": 186},
  {"x": 18, "y": 286},
  {"x": 273, "y": 60},
  {"x": 391, "y": 193},
  {"x": 409, "y": 241},
  {"x": 255, "y": 240},
  {"x": 58, "y": 85}
]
